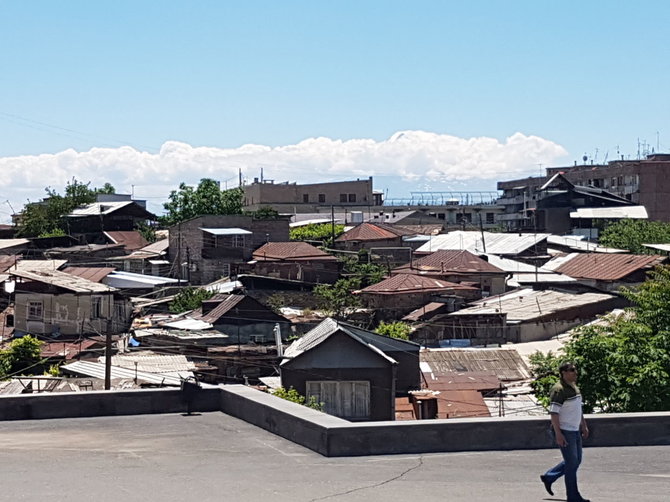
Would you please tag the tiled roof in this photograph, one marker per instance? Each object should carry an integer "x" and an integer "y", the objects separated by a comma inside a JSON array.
[
  {"x": 132, "y": 240},
  {"x": 373, "y": 232},
  {"x": 451, "y": 261},
  {"x": 95, "y": 274},
  {"x": 290, "y": 251},
  {"x": 605, "y": 267},
  {"x": 412, "y": 283}
]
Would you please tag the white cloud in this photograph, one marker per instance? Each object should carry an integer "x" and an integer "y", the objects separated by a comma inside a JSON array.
[{"x": 415, "y": 156}]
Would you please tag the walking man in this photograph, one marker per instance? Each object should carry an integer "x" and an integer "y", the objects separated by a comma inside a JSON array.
[{"x": 569, "y": 427}]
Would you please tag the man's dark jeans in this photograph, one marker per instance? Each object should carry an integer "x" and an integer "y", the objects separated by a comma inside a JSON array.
[{"x": 572, "y": 457}]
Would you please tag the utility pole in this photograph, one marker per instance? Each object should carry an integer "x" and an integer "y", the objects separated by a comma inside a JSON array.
[{"x": 108, "y": 360}]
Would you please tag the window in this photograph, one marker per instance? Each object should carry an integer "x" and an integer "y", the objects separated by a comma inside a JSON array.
[
  {"x": 305, "y": 198},
  {"x": 343, "y": 197},
  {"x": 490, "y": 218},
  {"x": 322, "y": 198},
  {"x": 35, "y": 311},
  {"x": 225, "y": 270},
  {"x": 352, "y": 197},
  {"x": 238, "y": 241},
  {"x": 96, "y": 307},
  {"x": 257, "y": 338},
  {"x": 346, "y": 399},
  {"x": 119, "y": 311}
]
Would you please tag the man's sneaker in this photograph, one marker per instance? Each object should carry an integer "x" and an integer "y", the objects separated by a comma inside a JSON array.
[{"x": 547, "y": 484}]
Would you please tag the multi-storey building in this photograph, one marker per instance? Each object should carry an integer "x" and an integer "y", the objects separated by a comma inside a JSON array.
[
  {"x": 291, "y": 197},
  {"x": 643, "y": 182}
]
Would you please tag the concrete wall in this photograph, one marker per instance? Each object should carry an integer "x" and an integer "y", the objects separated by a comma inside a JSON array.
[
  {"x": 332, "y": 436},
  {"x": 105, "y": 403}
]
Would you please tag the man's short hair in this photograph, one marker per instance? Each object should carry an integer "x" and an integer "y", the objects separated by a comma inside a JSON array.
[{"x": 565, "y": 367}]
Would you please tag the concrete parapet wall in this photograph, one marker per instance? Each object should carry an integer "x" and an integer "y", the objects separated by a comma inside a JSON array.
[
  {"x": 105, "y": 403},
  {"x": 332, "y": 436}
]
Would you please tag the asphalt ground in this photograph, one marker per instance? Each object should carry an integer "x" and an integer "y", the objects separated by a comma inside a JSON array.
[{"x": 214, "y": 457}]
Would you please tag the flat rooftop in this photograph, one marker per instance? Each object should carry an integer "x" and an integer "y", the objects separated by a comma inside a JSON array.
[{"x": 214, "y": 457}]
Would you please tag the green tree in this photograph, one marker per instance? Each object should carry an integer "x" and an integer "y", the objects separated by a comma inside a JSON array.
[
  {"x": 264, "y": 213},
  {"x": 624, "y": 364},
  {"x": 207, "y": 198},
  {"x": 397, "y": 329},
  {"x": 22, "y": 356},
  {"x": 189, "y": 298},
  {"x": 322, "y": 232},
  {"x": 47, "y": 218},
  {"x": 337, "y": 298},
  {"x": 295, "y": 397},
  {"x": 147, "y": 231},
  {"x": 631, "y": 234},
  {"x": 366, "y": 273}
]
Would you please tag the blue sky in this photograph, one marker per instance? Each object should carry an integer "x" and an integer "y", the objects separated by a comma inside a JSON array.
[{"x": 572, "y": 78}]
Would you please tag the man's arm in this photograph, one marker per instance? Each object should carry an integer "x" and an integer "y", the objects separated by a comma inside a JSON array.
[
  {"x": 584, "y": 428},
  {"x": 560, "y": 439}
]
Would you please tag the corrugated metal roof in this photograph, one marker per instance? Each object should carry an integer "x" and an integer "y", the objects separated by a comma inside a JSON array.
[
  {"x": 604, "y": 267},
  {"x": 459, "y": 380},
  {"x": 496, "y": 243},
  {"x": 526, "y": 304},
  {"x": 451, "y": 260},
  {"x": 63, "y": 280},
  {"x": 428, "y": 310},
  {"x": 660, "y": 247},
  {"x": 226, "y": 231},
  {"x": 290, "y": 251},
  {"x": 329, "y": 326},
  {"x": 372, "y": 232},
  {"x": 633, "y": 212},
  {"x": 40, "y": 264},
  {"x": 95, "y": 274},
  {"x": 151, "y": 362},
  {"x": 10, "y": 243},
  {"x": 132, "y": 240},
  {"x": 578, "y": 243},
  {"x": 97, "y": 370},
  {"x": 97, "y": 208},
  {"x": 506, "y": 364},
  {"x": 411, "y": 283},
  {"x": 226, "y": 304}
]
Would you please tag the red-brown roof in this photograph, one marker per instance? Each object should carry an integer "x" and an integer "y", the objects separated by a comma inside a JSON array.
[
  {"x": 461, "y": 403},
  {"x": 132, "y": 240},
  {"x": 8, "y": 261},
  {"x": 373, "y": 232},
  {"x": 412, "y": 283},
  {"x": 425, "y": 312},
  {"x": 468, "y": 380},
  {"x": 290, "y": 251},
  {"x": 66, "y": 350},
  {"x": 93, "y": 274},
  {"x": 607, "y": 267},
  {"x": 448, "y": 260}
]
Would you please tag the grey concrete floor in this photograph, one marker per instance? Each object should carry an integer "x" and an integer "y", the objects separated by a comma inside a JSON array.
[{"x": 213, "y": 457}]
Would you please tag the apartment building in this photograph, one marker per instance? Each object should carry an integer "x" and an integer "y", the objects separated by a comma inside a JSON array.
[{"x": 643, "y": 182}]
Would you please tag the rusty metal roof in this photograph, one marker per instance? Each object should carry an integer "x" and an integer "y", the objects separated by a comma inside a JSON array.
[
  {"x": 132, "y": 240},
  {"x": 507, "y": 364},
  {"x": 451, "y": 260},
  {"x": 606, "y": 267},
  {"x": 291, "y": 251},
  {"x": 63, "y": 280},
  {"x": 413, "y": 283},
  {"x": 95, "y": 274},
  {"x": 461, "y": 404},
  {"x": 373, "y": 232},
  {"x": 459, "y": 380}
]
